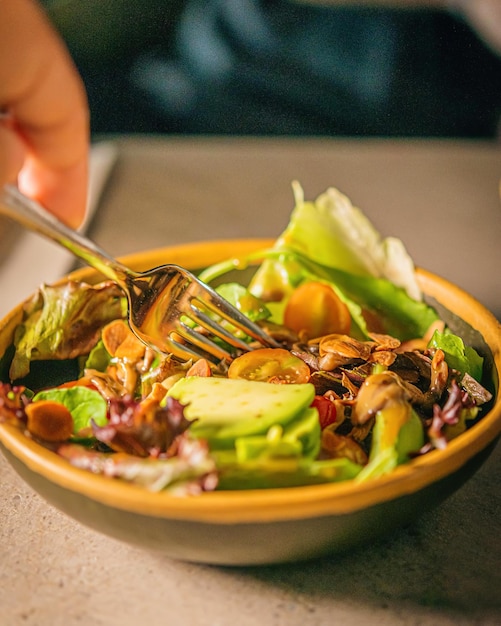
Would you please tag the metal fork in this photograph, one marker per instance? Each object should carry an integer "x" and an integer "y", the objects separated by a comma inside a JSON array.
[{"x": 167, "y": 305}]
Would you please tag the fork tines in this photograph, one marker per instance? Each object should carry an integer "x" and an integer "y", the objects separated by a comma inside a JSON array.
[{"x": 201, "y": 338}]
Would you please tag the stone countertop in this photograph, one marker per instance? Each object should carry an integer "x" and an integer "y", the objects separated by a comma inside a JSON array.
[{"x": 442, "y": 199}]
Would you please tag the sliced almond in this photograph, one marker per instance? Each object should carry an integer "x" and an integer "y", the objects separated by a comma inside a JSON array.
[{"x": 121, "y": 342}]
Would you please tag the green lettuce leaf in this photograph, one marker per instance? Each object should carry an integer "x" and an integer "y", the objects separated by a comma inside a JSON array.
[
  {"x": 63, "y": 322},
  {"x": 331, "y": 240},
  {"x": 458, "y": 356},
  {"x": 397, "y": 313},
  {"x": 333, "y": 232},
  {"x": 84, "y": 404}
]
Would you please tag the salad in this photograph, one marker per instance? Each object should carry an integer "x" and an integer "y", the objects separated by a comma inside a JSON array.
[{"x": 367, "y": 377}]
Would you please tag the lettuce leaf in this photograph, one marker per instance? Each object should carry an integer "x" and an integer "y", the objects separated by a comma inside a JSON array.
[
  {"x": 458, "y": 356},
  {"x": 191, "y": 471},
  {"x": 331, "y": 240},
  {"x": 63, "y": 322},
  {"x": 333, "y": 232},
  {"x": 85, "y": 405},
  {"x": 396, "y": 312}
]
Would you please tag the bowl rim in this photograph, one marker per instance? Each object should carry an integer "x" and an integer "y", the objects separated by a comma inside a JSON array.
[{"x": 265, "y": 505}]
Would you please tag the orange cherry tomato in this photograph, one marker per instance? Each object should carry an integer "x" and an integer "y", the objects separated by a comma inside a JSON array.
[
  {"x": 314, "y": 309},
  {"x": 273, "y": 365}
]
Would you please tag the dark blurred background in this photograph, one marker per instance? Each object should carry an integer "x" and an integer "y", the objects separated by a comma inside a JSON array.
[{"x": 274, "y": 67}]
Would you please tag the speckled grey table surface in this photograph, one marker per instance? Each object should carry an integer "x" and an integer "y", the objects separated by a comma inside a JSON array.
[{"x": 442, "y": 198}]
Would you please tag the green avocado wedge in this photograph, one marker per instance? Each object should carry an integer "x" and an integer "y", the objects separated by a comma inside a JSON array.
[
  {"x": 398, "y": 432},
  {"x": 300, "y": 438},
  {"x": 223, "y": 409}
]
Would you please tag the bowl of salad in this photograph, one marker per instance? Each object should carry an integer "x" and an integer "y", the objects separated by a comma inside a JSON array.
[{"x": 381, "y": 400}]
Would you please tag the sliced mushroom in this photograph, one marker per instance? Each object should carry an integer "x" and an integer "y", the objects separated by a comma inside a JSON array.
[{"x": 377, "y": 392}]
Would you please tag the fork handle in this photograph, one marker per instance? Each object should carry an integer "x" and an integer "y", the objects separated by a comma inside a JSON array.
[{"x": 33, "y": 216}]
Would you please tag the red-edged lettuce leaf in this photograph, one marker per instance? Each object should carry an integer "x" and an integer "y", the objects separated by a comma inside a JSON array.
[{"x": 63, "y": 322}]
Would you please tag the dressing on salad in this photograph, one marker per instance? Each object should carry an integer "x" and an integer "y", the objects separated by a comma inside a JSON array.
[{"x": 367, "y": 377}]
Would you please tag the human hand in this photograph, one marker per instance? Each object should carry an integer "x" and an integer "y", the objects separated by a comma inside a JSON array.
[{"x": 44, "y": 136}]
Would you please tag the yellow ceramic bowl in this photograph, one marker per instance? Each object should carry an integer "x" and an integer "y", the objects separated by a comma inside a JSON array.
[{"x": 262, "y": 526}]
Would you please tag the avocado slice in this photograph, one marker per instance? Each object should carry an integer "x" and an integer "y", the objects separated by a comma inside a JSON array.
[
  {"x": 397, "y": 433},
  {"x": 301, "y": 437},
  {"x": 224, "y": 409}
]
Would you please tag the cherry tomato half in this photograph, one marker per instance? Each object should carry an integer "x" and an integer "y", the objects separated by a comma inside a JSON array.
[
  {"x": 326, "y": 411},
  {"x": 200, "y": 368},
  {"x": 274, "y": 365},
  {"x": 315, "y": 309}
]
